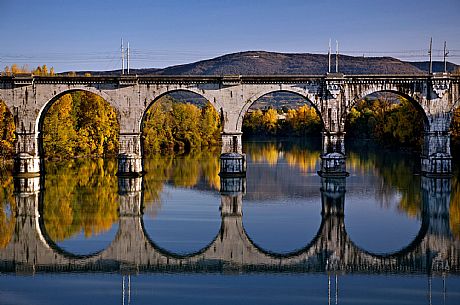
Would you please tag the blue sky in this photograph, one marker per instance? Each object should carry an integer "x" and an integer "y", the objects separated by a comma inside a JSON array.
[{"x": 85, "y": 34}]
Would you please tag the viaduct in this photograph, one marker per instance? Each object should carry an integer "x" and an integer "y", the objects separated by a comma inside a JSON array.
[{"x": 332, "y": 95}]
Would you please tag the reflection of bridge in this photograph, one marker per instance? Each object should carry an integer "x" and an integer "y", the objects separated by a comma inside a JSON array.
[
  {"x": 332, "y": 95},
  {"x": 433, "y": 250}
]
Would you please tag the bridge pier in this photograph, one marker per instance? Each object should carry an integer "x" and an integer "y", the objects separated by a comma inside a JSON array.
[
  {"x": 26, "y": 159},
  {"x": 333, "y": 155},
  {"x": 232, "y": 159},
  {"x": 436, "y": 158},
  {"x": 129, "y": 155}
]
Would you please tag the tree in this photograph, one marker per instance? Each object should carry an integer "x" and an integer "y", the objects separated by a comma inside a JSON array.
[
  {"x": 80, "y": 123},
  {"x": 173, "y": 126},
  {"x": 7, "y": 129}
]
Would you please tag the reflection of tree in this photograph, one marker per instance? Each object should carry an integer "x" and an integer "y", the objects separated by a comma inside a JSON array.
[
  {"x": 297, "y": 154},
  {"x": 267, "y": 152},
  {"x": 304, "y": 159},
  {"x": 182, "y": 171},
  {"x": 7, "y": 207},
  {"x": 394, "y": 170},
  {"x": 80, "y": 195},
  {"x": 455, "y": 207}
]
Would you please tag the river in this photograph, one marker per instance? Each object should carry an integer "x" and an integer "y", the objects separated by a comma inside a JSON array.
[{"x": 282, "y": 235}]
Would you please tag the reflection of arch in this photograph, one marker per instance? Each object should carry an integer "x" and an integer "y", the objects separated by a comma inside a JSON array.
[
  {"x": 49, "y": 242},
  {"x": 294, "y": 253},
  {"x": 318, "y": 243},
  {"x": 170, "y": 254},
  {"x": 45, "y": 108},
  {"x": 296, "y": 91},
  {"x": 401, "y": 252},
  {"x": 168, "y": 91},
  {"x": 313, "y": 244},
  {"x": 395, "y": 91},
  {"x": 52, "y": 245}
]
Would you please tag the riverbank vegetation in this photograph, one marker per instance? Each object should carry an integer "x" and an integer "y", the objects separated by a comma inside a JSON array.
[
  {"x": 389, "y": 120},
  {"x": 283, "y": 122},
  {"x": 174, "y": 126},
  {"x": 83, "y": 124},
  {"x": 80, "y": 124}
]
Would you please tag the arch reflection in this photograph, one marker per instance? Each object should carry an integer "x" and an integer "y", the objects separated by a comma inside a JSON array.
[{"x": 330, "y": 249}]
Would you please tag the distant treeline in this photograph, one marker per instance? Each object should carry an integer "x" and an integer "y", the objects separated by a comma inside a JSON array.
[
  {"x": 15, "y": 69},
  {"x": 294, "y": 122}
]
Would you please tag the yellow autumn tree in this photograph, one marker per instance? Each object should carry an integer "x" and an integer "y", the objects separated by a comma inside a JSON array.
[{"x": 7, "y": 129}]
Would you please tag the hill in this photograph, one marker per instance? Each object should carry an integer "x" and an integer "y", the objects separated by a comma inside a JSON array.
[{"x": 271, "y": 63}]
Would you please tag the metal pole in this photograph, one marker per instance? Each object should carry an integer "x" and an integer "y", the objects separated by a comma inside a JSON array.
[
  {"x": 122, "y": 58},
  {"x": 336, "y": 56},
  {"x": 127, "y": 57},
  {"x": 445, "y": 56},
  {"x": 430, "y": 52},
  {"x": 329, "y": 57}
]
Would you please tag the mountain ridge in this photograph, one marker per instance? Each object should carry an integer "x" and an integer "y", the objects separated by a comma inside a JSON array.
[{"x": 274, "y": 63}]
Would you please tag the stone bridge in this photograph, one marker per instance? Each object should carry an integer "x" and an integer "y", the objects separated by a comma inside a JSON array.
[
  {"x": 433, "y": 250},
  {"x": 332, "y": 95}
]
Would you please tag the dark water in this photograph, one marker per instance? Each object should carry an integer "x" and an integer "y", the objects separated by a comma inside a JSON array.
[{"x": 384, "y": 235}]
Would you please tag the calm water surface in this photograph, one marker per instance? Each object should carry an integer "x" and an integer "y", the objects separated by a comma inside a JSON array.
[{"x": 82, "y": 235}]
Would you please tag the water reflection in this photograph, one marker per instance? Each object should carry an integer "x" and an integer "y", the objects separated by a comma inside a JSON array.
[
  {"x": 331, "y": 235},
  {"x": 80, "y": 204},
  {"x": 280, "y": 218}
]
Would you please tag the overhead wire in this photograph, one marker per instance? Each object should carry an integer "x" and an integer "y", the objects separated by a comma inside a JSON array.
[{"x": 160, "y": 57}]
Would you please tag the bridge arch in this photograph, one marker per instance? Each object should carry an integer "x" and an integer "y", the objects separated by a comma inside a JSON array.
[
  {"x": 40, "y": 119},
  {"x": 394, "y": 90},
  {"x": 195, "y": 92},
  {"x": 165, "y": 90},
  {"x": 298, "y": 91},
  {"x": 58, "y": 94}
]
